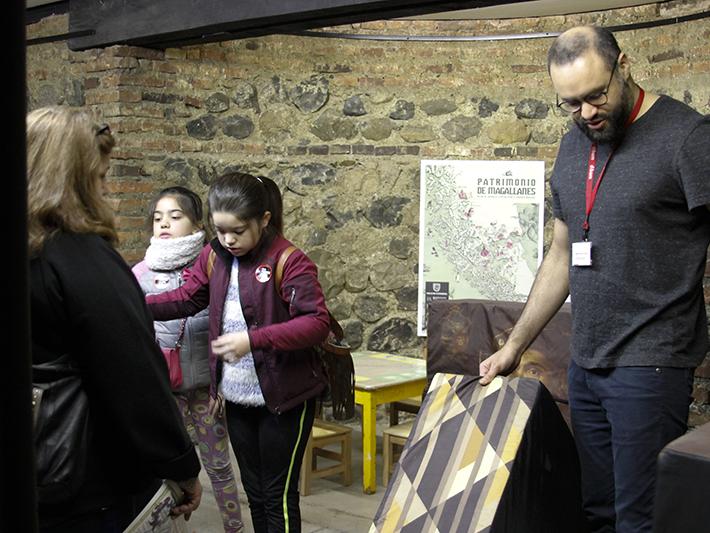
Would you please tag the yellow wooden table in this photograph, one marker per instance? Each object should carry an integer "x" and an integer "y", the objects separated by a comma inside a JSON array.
[{"x": 382, "y": 378}]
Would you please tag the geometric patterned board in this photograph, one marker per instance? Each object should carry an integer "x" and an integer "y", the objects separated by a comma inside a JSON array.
[{"x": 457, "y": 460}]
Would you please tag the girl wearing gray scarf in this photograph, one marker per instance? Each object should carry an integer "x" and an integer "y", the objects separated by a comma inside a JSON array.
[{"x": 176, "y": 220}]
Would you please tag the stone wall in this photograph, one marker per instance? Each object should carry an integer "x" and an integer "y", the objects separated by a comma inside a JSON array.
[{"x": 342, "y": 125}]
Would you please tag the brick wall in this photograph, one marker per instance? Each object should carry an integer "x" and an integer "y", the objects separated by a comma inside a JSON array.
[{"x": 341, "y": 125}]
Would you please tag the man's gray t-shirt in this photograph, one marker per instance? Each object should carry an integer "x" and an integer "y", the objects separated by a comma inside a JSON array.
[{"x": 641, "y": 302}]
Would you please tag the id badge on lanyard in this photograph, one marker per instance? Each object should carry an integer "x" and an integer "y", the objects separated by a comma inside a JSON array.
[
  {"x": 582, "y": 250},
  {"x": 582, "y": 254}
]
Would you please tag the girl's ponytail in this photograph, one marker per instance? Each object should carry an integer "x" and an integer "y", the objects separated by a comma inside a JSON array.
[
  {"x": 274, "y": 204},
  {"x": 247, "y": 197}
]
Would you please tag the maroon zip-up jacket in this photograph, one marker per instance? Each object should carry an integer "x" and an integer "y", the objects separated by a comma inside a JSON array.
[{"x": 283, "y": 328}]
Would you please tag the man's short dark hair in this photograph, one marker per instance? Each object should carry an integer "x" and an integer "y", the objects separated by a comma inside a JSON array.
[{"x": 567, "y": 48}]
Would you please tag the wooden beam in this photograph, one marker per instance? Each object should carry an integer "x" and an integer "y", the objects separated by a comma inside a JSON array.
[{"x": 170, "y": 23}]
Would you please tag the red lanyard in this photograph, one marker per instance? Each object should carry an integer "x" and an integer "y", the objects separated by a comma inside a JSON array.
[{"x": 591, "y": 190}]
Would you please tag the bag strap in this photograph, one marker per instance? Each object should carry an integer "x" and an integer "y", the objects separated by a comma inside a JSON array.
[
  {"x": 335, "y": 327},
  {"x": 210, "y": 263},
  {"x": 178, "y": 342},
  {"x": 279, "y": 274}
]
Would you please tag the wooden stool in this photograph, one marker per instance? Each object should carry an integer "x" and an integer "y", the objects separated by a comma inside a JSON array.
[
  {"x": 393, "y": 436},
  {"x": 410, "y": 405},
  {"x": 324, "y": 434}
]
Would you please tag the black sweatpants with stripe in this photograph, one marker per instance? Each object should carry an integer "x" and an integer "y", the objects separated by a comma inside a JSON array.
[{"x": 269, "y": 450}]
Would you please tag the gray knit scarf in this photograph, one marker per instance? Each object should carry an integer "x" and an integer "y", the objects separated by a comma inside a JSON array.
[{"x": 171, "y": 254}]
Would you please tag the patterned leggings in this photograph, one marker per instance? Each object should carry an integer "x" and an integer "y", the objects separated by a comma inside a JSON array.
[{"x": 210, "y": 435}]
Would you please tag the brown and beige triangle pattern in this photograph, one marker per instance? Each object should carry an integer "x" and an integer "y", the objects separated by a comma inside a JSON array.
[{"x": 456, "y": 462}]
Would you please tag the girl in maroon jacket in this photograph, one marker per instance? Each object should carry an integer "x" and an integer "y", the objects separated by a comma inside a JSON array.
[{"x": 261, "y": 340}]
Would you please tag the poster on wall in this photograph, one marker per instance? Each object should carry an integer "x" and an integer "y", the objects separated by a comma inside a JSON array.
[{"x": 480, "y": 230}]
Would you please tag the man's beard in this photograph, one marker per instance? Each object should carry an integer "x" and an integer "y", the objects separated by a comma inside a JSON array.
[{"x": 615, "y": 128}]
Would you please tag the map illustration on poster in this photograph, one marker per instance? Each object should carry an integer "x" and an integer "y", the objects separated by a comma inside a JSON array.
[{"x": 480, "y": 230}]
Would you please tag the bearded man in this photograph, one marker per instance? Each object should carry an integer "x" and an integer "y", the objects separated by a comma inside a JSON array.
[{"x": 631, "y": 191}]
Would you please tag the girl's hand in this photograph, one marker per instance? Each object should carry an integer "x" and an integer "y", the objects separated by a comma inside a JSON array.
[
  {"x": 232, "y": 346},
  {"x": 216, "y": 406}
]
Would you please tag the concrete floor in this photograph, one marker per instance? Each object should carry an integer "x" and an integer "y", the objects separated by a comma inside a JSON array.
[{"x": 329, "y": 508}]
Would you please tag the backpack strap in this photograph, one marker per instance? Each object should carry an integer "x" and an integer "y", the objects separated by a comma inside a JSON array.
[
  {"x": 210, "y": 263},
  {"x": 335, "y": 327},
  {"x": 279, "y": 274}
]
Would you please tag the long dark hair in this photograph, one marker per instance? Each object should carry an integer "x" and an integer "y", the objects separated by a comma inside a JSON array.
[
  {"x": 189, "y": 202},
  {"x": 247, "y": 197}
]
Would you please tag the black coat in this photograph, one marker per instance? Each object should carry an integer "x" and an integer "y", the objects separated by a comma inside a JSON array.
[{"x": 86, "y": 302}]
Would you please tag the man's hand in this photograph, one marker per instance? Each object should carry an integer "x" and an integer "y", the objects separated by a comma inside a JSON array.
[
  {"x": 547, "y": 295},
  {"x": 191, "y": 498},
  {"x": 504, "y": 361}
]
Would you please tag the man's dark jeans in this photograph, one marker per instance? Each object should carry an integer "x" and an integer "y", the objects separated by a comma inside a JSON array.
[{"x": 622, "y": 418}]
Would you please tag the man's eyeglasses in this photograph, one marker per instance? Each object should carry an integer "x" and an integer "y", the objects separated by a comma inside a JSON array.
[
  {"x": 596, "y": 99},
  {"x": 103, "y": 128}
]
